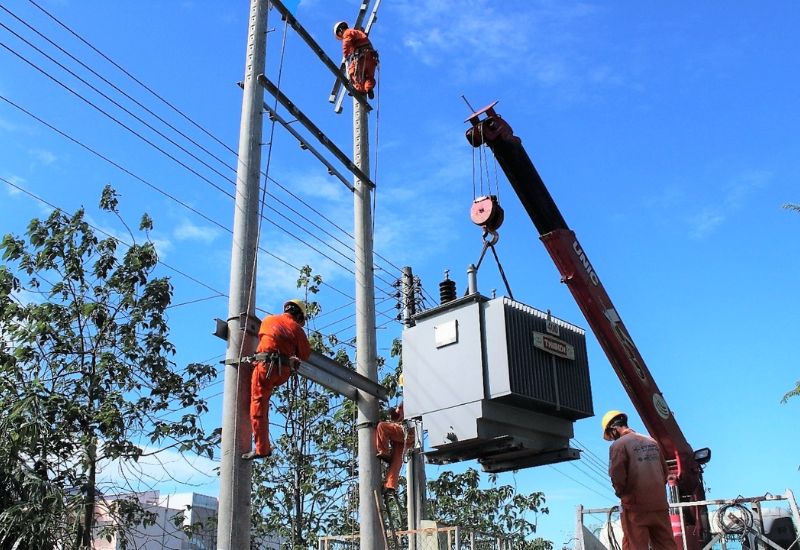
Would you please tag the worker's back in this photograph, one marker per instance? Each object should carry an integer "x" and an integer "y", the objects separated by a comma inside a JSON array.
[{"x": 638, "y": 473}]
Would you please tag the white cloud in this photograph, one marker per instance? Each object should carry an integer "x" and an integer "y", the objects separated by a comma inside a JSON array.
[
  {"x": 43, "y": 156},
  {"x": 15, "y": 180},
  {"x": 187, "y": 231},
  {"x": 318, "y": 185},
  {"x": 733, "y": 199},
  {"x": 163, "y": 247},
  {"x": 705, "y": 222},
  {"x": 157, "y": 470},
  {"x": 488, "y": 39},
  {"x": 7, "y": 126}
]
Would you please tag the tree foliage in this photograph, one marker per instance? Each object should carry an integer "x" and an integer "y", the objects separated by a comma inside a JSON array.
[
  {"x": 86, "y": 379},
  {"x": 497, "y": 510},
  {"x": 307, "y": 487}
]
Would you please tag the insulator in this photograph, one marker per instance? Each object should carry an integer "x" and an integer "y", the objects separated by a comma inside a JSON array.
[{"x": 447, "y": 290}]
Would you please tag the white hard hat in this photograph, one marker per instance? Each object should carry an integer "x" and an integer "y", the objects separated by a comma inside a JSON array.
[{"x": 337, "y": 26}]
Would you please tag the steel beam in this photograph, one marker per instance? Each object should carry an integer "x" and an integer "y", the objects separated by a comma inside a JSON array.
[
  {"x": 305, "y": 145},
  {"x": 337, "y": 378},
  {"x": 311, "y": 127},
  {"x": 317, "y": 49}
]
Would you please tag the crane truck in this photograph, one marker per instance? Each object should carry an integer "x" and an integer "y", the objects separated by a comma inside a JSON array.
[{"x": 685, "y": 463}]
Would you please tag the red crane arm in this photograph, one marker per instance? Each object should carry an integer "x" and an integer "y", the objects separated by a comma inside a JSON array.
[{"x": 587, "y": 289}]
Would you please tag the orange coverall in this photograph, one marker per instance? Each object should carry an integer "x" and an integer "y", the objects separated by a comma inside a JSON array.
[
  {"x": 638, "y": 473},
  {"x": 391, "y": 441},
  {"x": 362, "y": 59},
  {"x": 282, "y": 335}
]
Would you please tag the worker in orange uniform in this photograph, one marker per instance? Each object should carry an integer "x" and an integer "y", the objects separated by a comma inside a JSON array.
[
  {"x": 393, "y": 438},
  {"x": 282, "y": 345},
  {"x": 361, "y": 57},
  {"x": 639, "y": 475}
]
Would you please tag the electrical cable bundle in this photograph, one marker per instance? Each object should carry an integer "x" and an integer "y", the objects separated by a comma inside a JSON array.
[{"x": 735, "y": 520}]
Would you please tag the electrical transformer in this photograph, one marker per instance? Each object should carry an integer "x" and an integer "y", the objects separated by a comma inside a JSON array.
[{"x": 495, "y": 380}]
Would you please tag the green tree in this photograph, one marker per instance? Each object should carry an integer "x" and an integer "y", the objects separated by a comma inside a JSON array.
[
  {"x": 86, "y": 378},
  {"x": 499, "y": 510},
  {"x": 303, "y": 489},
  {"x": 308, "y": 487}
]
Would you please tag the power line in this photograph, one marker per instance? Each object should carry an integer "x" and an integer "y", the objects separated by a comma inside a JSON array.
[
  {"x": 119, "y": 122},
  {"x": 35, "y": 66},
  {"x": 147, "y": 110},
  {"x": 152, "y": 144},
  {"x": 129, "y": 75},
  {"x": 155, "y": 187},
  {"x": 99, "y": 230},
  {"x": 115, "y": 87},
  {"x": 604, "y": 497}
]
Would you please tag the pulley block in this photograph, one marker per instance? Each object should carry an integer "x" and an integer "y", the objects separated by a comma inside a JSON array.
[{"x": 487, "y": 213}]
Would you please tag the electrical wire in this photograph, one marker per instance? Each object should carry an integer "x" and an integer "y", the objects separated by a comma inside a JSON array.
[
  {"x": 140, "y": 136},
  {"x": 99, "y": 230},
  {"x": 117, "y": 121},
  {"x": 168, "y": 104},
  {"x": 156, "y": 188},
  {"x": 129, "y": 75}
]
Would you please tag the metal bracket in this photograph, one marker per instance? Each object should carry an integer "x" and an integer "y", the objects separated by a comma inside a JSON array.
[
  {"x": 327, "y": 61},
  {"x": 315, "y": 131},
  {"x": 247, "y": 323}
]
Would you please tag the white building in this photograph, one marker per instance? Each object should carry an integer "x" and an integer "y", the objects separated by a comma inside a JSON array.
[{"x": 175, "y": 517}]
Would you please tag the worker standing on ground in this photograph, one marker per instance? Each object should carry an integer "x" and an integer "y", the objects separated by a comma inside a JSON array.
[
  {"x": 282, "y": 345},
  {"x": 639, "y": 474},
  {"x": 393, "y": 438},
  {"x": 361, "y": 57}
]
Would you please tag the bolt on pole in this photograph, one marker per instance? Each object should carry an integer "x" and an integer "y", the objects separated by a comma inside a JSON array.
[{"x": 233, "y": 527}]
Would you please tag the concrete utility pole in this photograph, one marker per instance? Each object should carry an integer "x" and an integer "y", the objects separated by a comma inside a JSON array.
[
  {"x": 369, "y": 481},
  {"x": 415, "y": 471},
  {"x": 233, "y": 528}
]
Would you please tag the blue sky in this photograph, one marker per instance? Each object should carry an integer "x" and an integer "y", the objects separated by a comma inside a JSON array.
[{"x": 666, "y": 132}]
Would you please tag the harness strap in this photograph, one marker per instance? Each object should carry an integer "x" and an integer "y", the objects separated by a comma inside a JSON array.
[{"x": 271, "y": 357}]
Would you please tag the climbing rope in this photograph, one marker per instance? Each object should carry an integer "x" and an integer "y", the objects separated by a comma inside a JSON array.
[{"x": 377, "y": 145}]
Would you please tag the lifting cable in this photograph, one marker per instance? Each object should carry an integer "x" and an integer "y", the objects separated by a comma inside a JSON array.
[
  {"x": 489, "y": 244},
  {"x": 486, "y": 211}
]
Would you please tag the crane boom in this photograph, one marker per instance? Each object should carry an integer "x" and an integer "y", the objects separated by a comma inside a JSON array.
[{"x": 587, "y": 289}]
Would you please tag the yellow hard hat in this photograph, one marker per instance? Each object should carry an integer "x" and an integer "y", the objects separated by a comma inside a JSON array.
[
  {"x": 301, "y": 305},
  {"x": 607, "y": 418},
  {"x": 337, "y": 26},
  {"x": 401, "y": 379}
]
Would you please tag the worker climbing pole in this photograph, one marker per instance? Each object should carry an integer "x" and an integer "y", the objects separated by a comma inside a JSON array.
[{"x": 360, "y": 56}]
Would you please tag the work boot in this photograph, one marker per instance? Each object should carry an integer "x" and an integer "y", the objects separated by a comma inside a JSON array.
[
  {"x": 385, "y": 458},
  {"x": 371, "y": 94},
  {"x": 253, "y": 455}
]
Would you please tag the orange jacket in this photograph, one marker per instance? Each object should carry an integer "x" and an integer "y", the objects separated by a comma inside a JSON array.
[
  {"x": 282, "y": 334},
  {"x": 638, "y": 473},
  {"x": 353, "y": 40}
]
